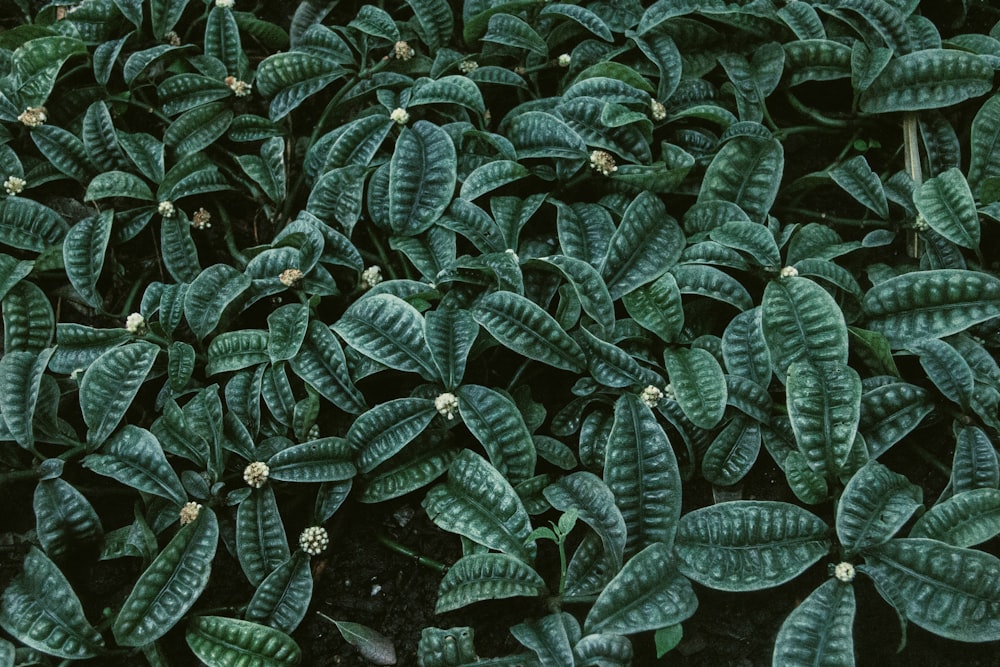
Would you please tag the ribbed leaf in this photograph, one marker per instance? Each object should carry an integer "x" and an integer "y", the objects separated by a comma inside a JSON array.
[
  {"x": 946, "y": 203},
  {"x": 656, "y": 306},
  {"x": 931, "y": 304},
  {"x": 222, "y": 39},
  {"x": 498, "y": 425},
  {"x": 323, "y": 460},
  {"x": 83, "y": 254},
  {"x": 537, "y": 134},
  {"x": 28, "y": 320},
  {"x": 641, "y": 470},
  {"x": 964, "y": 520},
  {"x": 747, "y": 545},
  {"x": 928, "y": 79},
  {"x": 984, "y": 160},
  {"x": 698, "y": 383},
  {"x": 818, "y": 631},
  {"x": 170, "y": 585},
  {"x": 950, "y": 591},
  {"x": 282, "y": 599},
  {"x": 217, "y": 288},
  {"x": 479, "y": 503},
  {"x": 64, "y": 519},
  {"x": 550, "y": 638},
  {"x": 747, "y": 172},
  {"x": 490, "y": 176},
  {"x": 712, "y": 283},
  {"x": 20, "y": 377},
  {"x": 198, "y": 128},
  {"x": 857, "y": 179},
  {"x": 488, "y": 576},
  {"x": 875, "y": 504},
  {"x": 261, "y": 543},
  {"x": 753, "y": 239},
  {"x": 40, "y": 609},
  {"x": 109, "y": 386},
  {"x": 744, "y": 349},
  {"x": 180, "y": 255},
  {"x": 434, "y": 21},
  {"x": 802, "y": 322},
  {"x": 733, "y": 452},
  {"x": 645, "y": 245},
  {"x": 230, "y": 642},
  {"x": 390, "y": 331},
  {"x": 586, "y": 493},
  {"x": 64, "y": 150},
  {"x": 511, "y": 31},
  {"x": 292, "y": 77},
  {"x": 450, "y": 334},
  {"x": 28, "y": 225},
  {"x": 528, "y": 330},
  {"x": 286, "y": 328},
  {"x": 891, "y": 411},
  {"x": 422, "y": 176},
  {"x": 647, "y": 594},
  {"x": 134, "y": 458},
  {"x": 384, "y": 430},
  {"x": 947, "y": 369},
  {"x": 824, "y": 406},
  {"x": 610, "y": 365},
  {"x": 453, "y": 89},
  {"x": 235, "y": 350},
  {"x": 321, "y": 362},
  {"x": 975, "y": 464},
  {"x": 409, "y": 475},
  {"x": 585, "y": 231}
]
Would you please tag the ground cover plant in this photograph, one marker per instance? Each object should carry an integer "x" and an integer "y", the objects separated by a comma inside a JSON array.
[{"x": 570, "y": 277}]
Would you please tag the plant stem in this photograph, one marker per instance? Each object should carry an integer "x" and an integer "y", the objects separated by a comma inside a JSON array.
[
  {"x": 819, "y": 216},
  {"x": 820, "y": 119},
  {"x": 911, "y": 156},
  {"x": 393, "y": 545},
  {"x": 227, "y": 229},
  {"x": 17, "y": 475}
]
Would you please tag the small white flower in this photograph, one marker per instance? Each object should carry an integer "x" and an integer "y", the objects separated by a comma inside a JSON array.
[
  {"x": 239, "y": 88},
  {"x": 513, "y": 255},
  {"x": 313, "y": 432},
  {"x": 166, "y": 208},
  {"x": 921, "y": 224},
  {"x": 789, "y": 272},
  {"x": 172, "y": 38},
  {"x": 564, "y": 60},
  {"x": 75, "y": 375},
  {"x": 844, "y": 572},
  {"x": 400, "y": 116},
  {"x": 402, "y": 51},
  {"x": 256, "y": 474},
  {"x": 314, "y": 540},
  {"x": 603, "y": 162},
  {"x": 135, "y": 324},
  {"x": 651, "y": 395},
  {"x": 468, "y": 66},
  {"x": 14, "y": 185},
  {"x": 290, "y": 277},
  {"x": 189, "y": 513},
  {"x": 446, "y": 404},
  {"x": 669, "y": 393},
  {"x": 371, "y": 276},
  {"x": 657, "y": 110},
  {"x": 33, "y": 116},
  {"x": 201, "y": 219},
  {"x": 225, "y": 4}
]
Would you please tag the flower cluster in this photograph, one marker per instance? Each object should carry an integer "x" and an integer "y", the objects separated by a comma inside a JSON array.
[
  {"x": 225, "y": 4},
  {"x": 657, "y": 110},
  {"x": 135, "y": 324},
  {"x": 291, "y": 277},
  {"x": 789, "y": 272},
  {"x": 402, "y": 51},
  {"x": 256, "y": 474},
  {"x": 189, "y": 513},
  {"x": 603, "y": 162},
  {"x": 400, "y": 115},
  {"x": 844, "y": 572},
  {"x": 166, "y": 208},
  {"x": 14, "y": 185},
  {"x": 33, "y": 116},
  {"x": 651, "y": 396},
  {"x": 202, "y": 219},
  {"x": 239, "y": 88},
  {"x": 371, "y": 276},
  {"x": 447, "y": 405},
  {"x": 564, "y": 60},
  {"x": 314, "y": 540},
  {"x": 468, "y": 66}
]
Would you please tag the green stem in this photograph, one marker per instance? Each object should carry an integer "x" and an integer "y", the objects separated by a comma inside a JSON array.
[
  {"x": 562, "y": 565},
  {"x": 227, "y": 229},
  {"x": 393, "y": 545},
  {"x": 384, "y": 261},
  {"x": 17, "y": 475},
  {"x": 819, "y": 216},
  {"x": 805, "y": 110},
  {"x": 142, "y": 282}
]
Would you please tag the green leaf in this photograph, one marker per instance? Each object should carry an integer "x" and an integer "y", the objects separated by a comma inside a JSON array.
[
  {"x": 110, "y": 385},
  {"x": 64, "y": 151},
  {"x": 216, "y": 289},
  {"x": 497, "y": 424},
  {"x": 134, "y": 458},
  {"x": 99, "y": 135},
  {"x": 183, "y": 92},
  {"x": 28, "y": 225},
  {"x": 64, "y": 519},
  {"x": 581, "y": 15},
  {"x": 641, "y": 470},
  {"x": 323, "y": 460},
  {"x": 964, "y": 585},
  {"x": 511, "y": 31},
  {"x": 384, "y": 430},
  {"x": 587, "y": 494},
  {"x": 287, "y": 327},
  {"x": 889, "y": 412},
  {"x": 964, "y": 520},
  {"x": 40, "y": 609},
  {"x": 376, "y": 22},
  {"x": 751, "y": 238},
  {"x": 479, "y": 503},
  {"x": 282, "y": 599},
  {"x": 744, "y": 350},
  {"x": 373, "y": 646},
  {"x": 236, "y": 350},
  {"x": 453, "y": 89},
  {"x": 646, "y": 244},
  {"x": 20, "y": 377},
  {"x": 165, "y": 14},
  {"x": 857, "y": 179},
  {"x": 490, "y": 176},
  {"x": 747, "y": 545},
  {"x": 180, "y": 255},
  {"x": 647, "y": 594},
  {"x": 230, "y": 642},
  {"x": 435, "y": 22},
  {"x": 816, "y": 59},
  {"x": 610, "y": 365},
  {"x": 261, "y": 543},
  {"x": 222, "y": 39},
  {"x": 410, "y": 475},
  {"x": 656, "y": 306},
  {"x": 975, "y": 463},
  {"x": 818, "y": 631},
  {"x": 984, "y": 158},
  {"x": 198, "y": 128},
  {"x": 928, "y": 79},
  {"x": 586, "y": 116},
  {"x": 946, "y": 203},
  {"x": 28, "y": 320},
  {"x": 549, "y": 637},
  {"x": 422, "y": 176},
  {"x": 83, "y": 254},
  {"x": 712, "y": 283},
  {"x": 747, "y": 172},
  {"x": 947, "y": 369},
  {"x": 537, "y": 134},
  {"x": 450, "y": 334},
  {"x": 78, "y": 345},
  {"x": 732, "y": 453},
  {"x": 698, "y": 383},
  {"x": 487, "y": 576},
  {"x": 824, "y": 406},
  {"x": 321, "y": 362},
  {"x": 389, "y": 330},
  {"x": 36, "y": 64},
  {"x": 875, "y": 504},
  {"x": 292, "y": 77},
  {"x": 802, "y": 322},
  {"x": 170, "y": 585},
  {"x": 524, "y": 327},
  {"x": 931, "y": 304}
]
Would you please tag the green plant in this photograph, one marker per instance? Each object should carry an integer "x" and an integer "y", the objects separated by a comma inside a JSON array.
[{"x": 515, "y": 259}]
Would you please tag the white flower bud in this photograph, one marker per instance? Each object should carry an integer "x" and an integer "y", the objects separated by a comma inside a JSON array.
[
  {"x": 446, "y": 404},
  {"x": 291, "y": 277},
  {"x": 513, "y": 255},
  {"x": 564, "y": 60},
  {"x": 14, "y": 185},
  {"x": 468, "y": 66},
  {"x": 225, "y": 4},
  {"x": 135, "y": 324},
  {"x": 166, "y": 208},
  {"x": 201, "y": 219},
  {"x": 402, "y": 51},
  {"x": 603, "y": 162},
  {"x": 657, "y": 110},
  {"x": 651, "y": 396},
  {"x": 256, "y": 474},
  {"x": 400, "y": 116},
  {"x": 844, "y": 572},
  {"x": 314, "y": 540},
  {"x": 189, "y": 513},
  {"x": 239, "y": 88},
  {"x": 33, "y": 116},
  {"x": 669, "y": 393},
  {"x": 789, "y": 272},
  {"x": 371, "y": 276}
]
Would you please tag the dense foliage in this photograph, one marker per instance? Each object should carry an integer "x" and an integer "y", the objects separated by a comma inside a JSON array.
[{"x": 560, "y": 270}]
